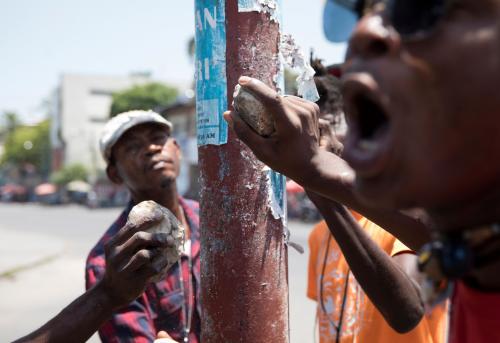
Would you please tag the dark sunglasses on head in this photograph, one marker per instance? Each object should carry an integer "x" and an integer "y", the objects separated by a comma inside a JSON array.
[
  {"x": 356, "y": 6},
  {"x": 412, "y": 19}
]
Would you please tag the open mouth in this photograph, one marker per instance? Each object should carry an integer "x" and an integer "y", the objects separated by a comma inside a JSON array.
[
  {"x": 371, "y": 119},
  {"x": 367, "y": 140}
]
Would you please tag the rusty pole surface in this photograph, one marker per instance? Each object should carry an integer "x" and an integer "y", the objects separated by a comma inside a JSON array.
[{"x": 244, "y": 281}]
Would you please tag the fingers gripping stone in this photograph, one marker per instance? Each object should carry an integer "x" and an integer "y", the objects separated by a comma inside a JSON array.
[
  {"x": 169, "y": 224},
  {"x": 252, "y": 111}
]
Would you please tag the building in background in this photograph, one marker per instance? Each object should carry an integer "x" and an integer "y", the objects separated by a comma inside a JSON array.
[
  {"x": 182, "y": 114},
  {"x": 81, "y": 111},
  {"x": 81, "y": 108}
]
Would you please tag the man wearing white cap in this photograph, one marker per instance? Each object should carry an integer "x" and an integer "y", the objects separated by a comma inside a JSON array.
[{"x": 141, "y": 154}]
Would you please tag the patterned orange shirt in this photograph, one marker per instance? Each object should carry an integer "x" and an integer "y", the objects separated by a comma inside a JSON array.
[{"x": 361, "y": 321}]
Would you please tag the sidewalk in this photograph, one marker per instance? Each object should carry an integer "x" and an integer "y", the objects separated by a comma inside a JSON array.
[
  {"x": 38, "y": 278},
  {"x": 21, "y": 251}
]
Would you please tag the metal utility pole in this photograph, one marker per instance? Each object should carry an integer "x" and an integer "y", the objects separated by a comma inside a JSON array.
[{"x": 244, "y": 295}]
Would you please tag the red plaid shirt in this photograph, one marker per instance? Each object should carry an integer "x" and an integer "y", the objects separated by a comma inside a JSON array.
[{"x": 160, "y": 306}]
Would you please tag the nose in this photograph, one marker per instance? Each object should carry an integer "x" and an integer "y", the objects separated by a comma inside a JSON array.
[
  {"x": 153, "y": 149},
  {"x": 372, "y": 38}
]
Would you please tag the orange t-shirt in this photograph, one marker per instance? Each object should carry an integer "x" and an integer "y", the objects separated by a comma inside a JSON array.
[{"x": 361, "y": 321}]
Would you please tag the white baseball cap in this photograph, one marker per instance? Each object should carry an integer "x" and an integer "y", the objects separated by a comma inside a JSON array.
[{"x": 118, "y": 125}]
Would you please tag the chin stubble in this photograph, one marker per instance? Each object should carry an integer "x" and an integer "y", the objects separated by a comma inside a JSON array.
[{"x": 166, "y": 183}]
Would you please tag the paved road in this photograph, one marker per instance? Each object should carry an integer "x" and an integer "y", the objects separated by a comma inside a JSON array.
[{"x": 54, "y": 241}]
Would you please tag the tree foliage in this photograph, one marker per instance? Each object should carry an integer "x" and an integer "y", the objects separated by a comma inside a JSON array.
[
  {"x": 28, "y": 144},
  {"x": 191, "y": 48},
  {"x": 143, "y": 97},
  {"x": 10, "y": 121},
  {"x": 290, "y": 82},
  {"x": 70, "y": 173}
]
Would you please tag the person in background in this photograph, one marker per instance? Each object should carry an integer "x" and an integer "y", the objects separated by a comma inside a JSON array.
[{"x": 142, "y": 155}]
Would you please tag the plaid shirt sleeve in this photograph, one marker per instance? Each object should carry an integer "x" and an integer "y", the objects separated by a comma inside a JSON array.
[
  {"x": 159, "y": 308},
  {"x": 131, "y": 323}
]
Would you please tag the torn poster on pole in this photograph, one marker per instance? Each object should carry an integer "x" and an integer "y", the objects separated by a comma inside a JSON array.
[
  {"x": 273, "y": 7},
  {"x": 293, "y": 57},
  {"x": 211, "y": 80},
  {"x": 277, "y": 194}
]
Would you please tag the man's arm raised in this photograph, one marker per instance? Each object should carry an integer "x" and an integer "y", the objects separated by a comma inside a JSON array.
[{"x": 293, "y": 149}]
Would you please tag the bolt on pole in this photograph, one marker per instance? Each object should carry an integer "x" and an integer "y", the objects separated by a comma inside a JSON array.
[{"x": 244, "y": 275}]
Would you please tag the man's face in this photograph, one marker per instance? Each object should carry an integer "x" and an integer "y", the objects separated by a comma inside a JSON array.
[
  {"x": 424, "y": 115},
  {"x": 146, "y": 159}
]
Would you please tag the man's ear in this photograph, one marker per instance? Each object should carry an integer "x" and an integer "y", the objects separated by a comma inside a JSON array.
[{"x": 113, "y": 174}]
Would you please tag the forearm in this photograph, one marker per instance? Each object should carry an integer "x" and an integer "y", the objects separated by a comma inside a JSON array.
[
  {"x": 329, "y": 175},
  {"x": 78, "y": 321},
  {"x": 389, "y": 288},
  {"x": 334, "y": 179},
  {"x": 409, "y": 229}
]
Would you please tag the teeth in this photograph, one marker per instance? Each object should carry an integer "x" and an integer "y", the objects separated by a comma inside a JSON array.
[{"x": 368, "y": 145}]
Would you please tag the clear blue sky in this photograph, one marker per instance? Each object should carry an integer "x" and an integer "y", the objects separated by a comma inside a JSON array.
[{"x": 41, "y": 39}]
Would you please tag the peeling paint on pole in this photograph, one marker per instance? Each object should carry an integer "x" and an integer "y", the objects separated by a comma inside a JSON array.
[
  {"x": 244, "y": 279},
  {"x": 277, "y": 182}
]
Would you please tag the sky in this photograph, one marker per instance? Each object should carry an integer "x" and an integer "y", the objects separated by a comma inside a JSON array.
[{"x": 42, "y": 39}]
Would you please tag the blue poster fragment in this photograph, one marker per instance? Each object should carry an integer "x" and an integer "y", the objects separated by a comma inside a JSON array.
[
  {"x": 277, "y": 194},
  {"x": 211, "y": 80},
  {"x": 248, "y": 5}
]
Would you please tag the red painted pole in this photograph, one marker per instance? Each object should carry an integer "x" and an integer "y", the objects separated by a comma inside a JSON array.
[{"x": 244, "y": 295}]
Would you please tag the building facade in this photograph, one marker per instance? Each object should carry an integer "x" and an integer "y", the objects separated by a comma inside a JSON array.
[{"x": 82, "y": 108}]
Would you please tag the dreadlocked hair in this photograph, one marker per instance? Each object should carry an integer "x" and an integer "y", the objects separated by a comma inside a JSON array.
[{"x": 330, "y": 97}]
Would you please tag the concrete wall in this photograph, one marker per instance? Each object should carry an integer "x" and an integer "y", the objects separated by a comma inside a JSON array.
[{"x": 85, "y": 101}]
